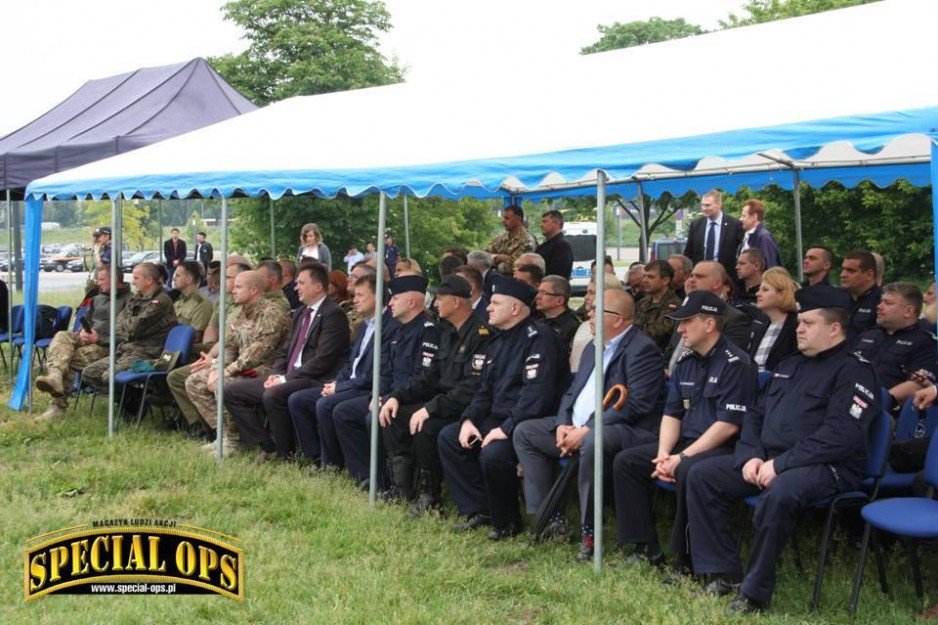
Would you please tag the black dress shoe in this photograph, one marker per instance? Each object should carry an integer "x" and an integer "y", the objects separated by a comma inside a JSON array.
[
  {"x": 508, "y": 531},
  {"x": 720, "y": 587},
  {"x": 641, "y": 555},
  {"x": 557, "y": 528},
  {"x": 741, "y": 604},
  {"x": 263, "y": 457},
  {"x": 473, "y": 521}
]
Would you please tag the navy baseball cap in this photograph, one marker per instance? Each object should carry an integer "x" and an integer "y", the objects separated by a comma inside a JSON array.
[{"x": 699, "y": 303}]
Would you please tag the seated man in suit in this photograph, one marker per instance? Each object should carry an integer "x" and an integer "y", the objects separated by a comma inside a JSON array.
[
  {"x": 316, "y": 349},
  {"x": 630, "y": 358},
  {"x": 312, "y": 408}
]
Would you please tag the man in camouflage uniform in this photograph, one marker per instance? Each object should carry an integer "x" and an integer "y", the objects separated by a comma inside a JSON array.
[
  {"x": 192, "y": 309},
  {"x": 142, "y": 326},
  {"x": 509, "y": 245},
  {"x": 272, "y": 275},
  {"x": 207, "y": 350},
  {"x": 71, "y": 351},
  {"x": 659, "y": 301},
  {"x": 251, "y": 346}
]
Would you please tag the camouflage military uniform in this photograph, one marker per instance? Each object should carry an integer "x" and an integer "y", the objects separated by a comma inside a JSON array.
[
  {"x": 277, "y": 297},
  {"x": 193, "y": 310},
  {"x": 251, "y": 345},
  {"x": 650, "y": 318},
  {"x": 141, "y": 330},
  {"x": 67, "y": 354},
  {"x": 176, "y": 380},
  {"x": 512, "y": 244},
  {"x": 354, "y": 317}
]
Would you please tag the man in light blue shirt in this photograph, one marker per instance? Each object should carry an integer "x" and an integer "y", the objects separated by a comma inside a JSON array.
[{"x": 629, "y": 358}]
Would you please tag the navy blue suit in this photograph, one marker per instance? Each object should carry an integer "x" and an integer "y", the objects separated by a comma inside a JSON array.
[
  {"x": 637, "y": 363},
  {"x": 762, "y": 240}
]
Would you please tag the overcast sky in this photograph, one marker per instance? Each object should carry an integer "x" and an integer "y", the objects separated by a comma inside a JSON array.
[{"x": 52, "y": 47}]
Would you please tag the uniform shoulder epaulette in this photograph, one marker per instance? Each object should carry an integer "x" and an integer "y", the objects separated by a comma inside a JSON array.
[
  {"x": 730, "y": 356},
  {"x": 532, "y": 330},
  {"x": 483, "y": 331},
  {"x": 685, "y": 356},
  {"x": 860, "y": 357},
  {"x": 428, "y": 324}
]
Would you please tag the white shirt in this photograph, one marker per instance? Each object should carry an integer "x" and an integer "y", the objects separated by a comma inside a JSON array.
[
  {"x": 369, "y": 331},
  {"x": 585, "y": 403}
]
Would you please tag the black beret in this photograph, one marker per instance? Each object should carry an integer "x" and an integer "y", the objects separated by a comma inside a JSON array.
[
  {"x": 408, "y": 283},
  {"x": 504, "y": 285},
  {"x": 699, "y": 303},
  {"x": 454, "y": 285},
  {"x": 822, "y": 296}
]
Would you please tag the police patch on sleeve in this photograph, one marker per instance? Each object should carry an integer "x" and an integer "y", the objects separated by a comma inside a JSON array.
[
  {"x": 530, "y": 370},
  {"x": 856, "y": 411}
]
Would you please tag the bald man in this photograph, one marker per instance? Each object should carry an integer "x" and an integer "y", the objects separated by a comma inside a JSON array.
[
  {"x": 250, "y": 347},
  {"x": 630, "y": 358}
]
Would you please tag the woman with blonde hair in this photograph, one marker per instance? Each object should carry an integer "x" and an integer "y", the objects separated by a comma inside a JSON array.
[
  {"x": 773, "y": 332},
  {"x": 311, "y": 246}
]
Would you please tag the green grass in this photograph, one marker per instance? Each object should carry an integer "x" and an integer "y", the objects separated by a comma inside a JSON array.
[{"x": 317, "y": 553}]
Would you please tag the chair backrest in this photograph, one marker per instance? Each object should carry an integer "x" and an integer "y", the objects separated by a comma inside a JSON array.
[
  {"x": 19, "y": 319},
  {"x": 79, "y": 315},
  {"x": 180, "y": 339},
  {"x": 764, "y": 377},
  {"x": 931, "y": 462},
  {"x": 62, "y": 317},
  {"x": 915, "y": 423},
  {"x": 879, "y": 439}
]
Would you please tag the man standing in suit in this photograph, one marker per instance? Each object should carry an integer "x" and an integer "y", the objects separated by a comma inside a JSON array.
[
  {"x": 174, "y": 251},
  {"x": 318, "y": 343},
  {"x": 630, "y": 358},
  {"x": 715, "y": 236},
  {"x": 203, "y": 251}
]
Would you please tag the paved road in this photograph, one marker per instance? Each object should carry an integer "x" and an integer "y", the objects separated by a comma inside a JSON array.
[{"x": 55, "y": 281}]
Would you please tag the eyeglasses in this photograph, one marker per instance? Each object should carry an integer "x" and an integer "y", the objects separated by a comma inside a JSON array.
[
  {"x": 549, "y": 293},
  {"x": 612, "y": 312}
]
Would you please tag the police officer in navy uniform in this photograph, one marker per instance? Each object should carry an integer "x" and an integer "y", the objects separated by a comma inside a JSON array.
[
  {"x": 804, "y": 440},
  {"x": 522, "y": 379},
  {"x": 418, "y": 409},
  {"x": 858, "y": 278},
  {"x": 408, "y": 353},
  {"x": 710, "y": 391},
  {"x": 899, "y": 345}
]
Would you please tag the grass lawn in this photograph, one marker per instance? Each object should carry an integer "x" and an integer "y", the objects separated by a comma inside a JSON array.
[{"x": 317, "y": 553}]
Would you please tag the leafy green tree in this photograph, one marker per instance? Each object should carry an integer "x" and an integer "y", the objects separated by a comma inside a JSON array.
[
  {"x": 619, "y": 35},
  {"x": 134, "y": 220},
  {"x": 771, "y": 10},
  {"x": 307, "y": 47}
]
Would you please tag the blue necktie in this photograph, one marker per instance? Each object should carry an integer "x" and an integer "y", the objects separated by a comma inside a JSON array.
[{"x": 711, "y": 239}]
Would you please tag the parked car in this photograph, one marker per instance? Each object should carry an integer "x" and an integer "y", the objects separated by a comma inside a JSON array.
[
  {"x": 69, "y": 254},
  {"x": 140, "y": 257}
]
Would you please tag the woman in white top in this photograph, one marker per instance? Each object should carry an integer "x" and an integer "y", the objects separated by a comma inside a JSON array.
[{"x": 311, "y": 246}]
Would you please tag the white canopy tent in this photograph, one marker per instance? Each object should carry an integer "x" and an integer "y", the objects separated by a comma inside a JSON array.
[{"x": 621, "y": 121}]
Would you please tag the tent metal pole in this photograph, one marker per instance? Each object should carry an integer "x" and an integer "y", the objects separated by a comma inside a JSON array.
[
  {"x": 10, "y": 280},
  {"x": 406, "y": 228},
  {"x": 112, "y": 314},
  {"x": 618, "y": 233},
  {"x": 643, "y": 253},
  {"x": 159, "y": 232},
  {"x": 376, "y": 364},
  {"x": 222, "y": 326},
  {"x": 273, "y": 245},
  {"x": 798, "y": 242},
  {"x": 599, "y": 347}
]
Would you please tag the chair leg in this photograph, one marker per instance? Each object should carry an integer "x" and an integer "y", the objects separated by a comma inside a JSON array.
[
  {"x": 822, "y": 558},
  {"x": 880, "y": 562},
  {"x": 916, "y": 568},
  {"x": 858, "y": 576},
  {"x": 143, "y": 401},
  {"x": 120, "y": 406}
]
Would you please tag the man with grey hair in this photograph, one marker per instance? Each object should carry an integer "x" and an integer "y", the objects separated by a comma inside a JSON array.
[
  {"x": 483, "y": 262},
  {"x": 553, "y": 296},
  {"x": 531, "y": 258},
  {"x": 682, "y": 267}
]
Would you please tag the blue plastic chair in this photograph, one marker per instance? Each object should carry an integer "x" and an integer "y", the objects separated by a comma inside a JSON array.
[
  {"x": 912, "y": 423},
  {"x": 179, "y": 339},
  {"x": 17, "y": 325},
  {"x": 63, "y": 315},
  {"x": 910, "y": 517},
  {"x": 879, "y": 437}
]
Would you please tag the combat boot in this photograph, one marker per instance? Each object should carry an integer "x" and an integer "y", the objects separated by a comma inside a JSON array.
[
  {"x": 51, "y": 383},
  {"x": 56, "y": 410},
  {"x": 428, "y": 495},
  {"x": 402, "y": 476}
]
